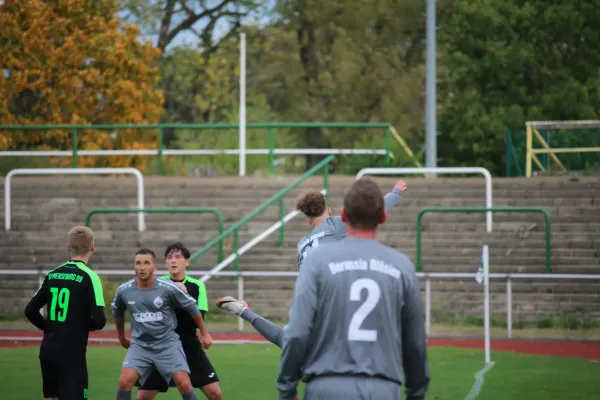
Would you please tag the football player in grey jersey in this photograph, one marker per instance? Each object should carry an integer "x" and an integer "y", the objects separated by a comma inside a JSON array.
[
  {"x": 155, "y": 343},
  {"x": 356, "y": 328},
  {"x": 325, "y": 229}
]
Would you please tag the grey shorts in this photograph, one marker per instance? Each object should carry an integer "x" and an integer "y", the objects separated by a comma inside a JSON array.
[
  {"x": 167, "y": 360},
  {"x": 351, "y": 388}
]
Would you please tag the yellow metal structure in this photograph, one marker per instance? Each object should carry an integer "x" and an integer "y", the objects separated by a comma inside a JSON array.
[{"x": 533, "y": 132}]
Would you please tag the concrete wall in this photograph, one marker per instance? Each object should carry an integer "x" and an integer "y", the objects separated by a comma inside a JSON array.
[{"x": 44, "y": 208}]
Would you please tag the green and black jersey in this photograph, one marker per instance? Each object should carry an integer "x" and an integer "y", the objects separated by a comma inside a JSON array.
[
  {"x": 186, "y": 327},
  {"x": 74, "y": 300}
]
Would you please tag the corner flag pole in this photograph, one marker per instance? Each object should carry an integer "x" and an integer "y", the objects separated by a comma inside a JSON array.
[{"x": 486, "y": 302}]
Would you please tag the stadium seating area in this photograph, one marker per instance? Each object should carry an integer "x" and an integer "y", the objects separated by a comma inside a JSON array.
[{"x": 44, "y": 208}]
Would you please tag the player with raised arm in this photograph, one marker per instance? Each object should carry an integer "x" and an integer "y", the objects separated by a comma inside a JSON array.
[
  {"x": 202, "y": 373},
  {"x": 356, "y": 328},
  {"x": 155, "y": 344},
  {"x": 72, "y": 294},
  {"x": 325, "y": 228}
]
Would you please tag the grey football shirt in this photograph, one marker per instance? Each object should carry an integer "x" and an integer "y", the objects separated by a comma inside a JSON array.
[
  {"x": 356, "y": 311},
  {"x": 153, "y": 319},
  {"x": 333, "y": 228}
]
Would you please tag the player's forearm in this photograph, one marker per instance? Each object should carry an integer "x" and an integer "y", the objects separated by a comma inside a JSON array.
[
  {"x": 416, "y": 371},
  {"x": 36, "y": 318},
  {"x": 120, "y": 325},
  {"x": 98, "y": 318},
  {"x": 392, "y": 198},
  {"x": 32, "y": 312},
  {"x": 292, "y": 361},
  {"x": 414, "y": 345},
  {"x": 200, "y": 323}
]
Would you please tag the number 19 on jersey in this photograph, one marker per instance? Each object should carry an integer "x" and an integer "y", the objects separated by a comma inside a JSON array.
[{"x": 60, "y": 300}]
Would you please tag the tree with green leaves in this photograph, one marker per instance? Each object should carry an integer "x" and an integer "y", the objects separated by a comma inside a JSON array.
[{"x": 513, "y": 61}]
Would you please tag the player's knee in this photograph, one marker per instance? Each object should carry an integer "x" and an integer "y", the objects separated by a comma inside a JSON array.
[
  {"x": 182, "y": 380},
  {"x": 213, "y": 391},
  {"x": 145, "y": 395},
  {"x": 127, "y": 379}
]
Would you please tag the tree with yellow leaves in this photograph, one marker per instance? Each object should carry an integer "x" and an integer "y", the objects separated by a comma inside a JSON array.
[{"x": 70, "y": 62}]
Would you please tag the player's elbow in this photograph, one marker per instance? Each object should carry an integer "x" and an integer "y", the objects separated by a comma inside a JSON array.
[
  {"x": 30, "y": 311},
  {"x": 98, "y": 322}
]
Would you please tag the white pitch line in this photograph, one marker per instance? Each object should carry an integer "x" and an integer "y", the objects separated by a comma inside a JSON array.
[{"x": 479, "y": 379}]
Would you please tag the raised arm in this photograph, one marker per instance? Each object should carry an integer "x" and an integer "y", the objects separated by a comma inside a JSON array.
[
  {"x": 393, "y": 197},
  {"x": 414, "y": 344},
  {"x": 32, "y": 310},
  {"x": 296, "y": 334}
]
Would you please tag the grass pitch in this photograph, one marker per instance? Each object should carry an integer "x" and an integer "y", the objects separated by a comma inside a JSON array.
[{"x": 248, "y": 372}]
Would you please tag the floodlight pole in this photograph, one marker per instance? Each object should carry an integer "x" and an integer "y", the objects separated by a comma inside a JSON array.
[
  {"x": 430, "y": 91},
  {"x": 242, "y": 144}
]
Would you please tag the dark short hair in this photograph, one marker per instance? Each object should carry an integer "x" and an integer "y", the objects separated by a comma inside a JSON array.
[
  {"x": 177, "y": 247},
  {"x": 364, "y": 204},
  {"x": 311, "y": 203},
  {"x": 145, "y": 250}
]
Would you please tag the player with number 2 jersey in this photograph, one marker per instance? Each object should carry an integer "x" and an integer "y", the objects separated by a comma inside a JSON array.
[
  {"x": 356, "y": 328},
  {"x": 72, "y": 294}
]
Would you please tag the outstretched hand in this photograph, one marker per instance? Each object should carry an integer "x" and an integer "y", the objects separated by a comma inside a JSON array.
[{"x": 401, "y": 185}]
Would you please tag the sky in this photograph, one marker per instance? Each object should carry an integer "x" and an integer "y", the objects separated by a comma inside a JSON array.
[{"x": 188, "y": 39}]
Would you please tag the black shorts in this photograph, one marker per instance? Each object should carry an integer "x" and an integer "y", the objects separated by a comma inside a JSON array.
[
  {"x": 202, "y": 372},
  {"x": 65, "y": 379}
]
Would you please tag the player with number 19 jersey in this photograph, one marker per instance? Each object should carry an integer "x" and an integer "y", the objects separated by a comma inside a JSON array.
[{"x": 74, "y": 300}]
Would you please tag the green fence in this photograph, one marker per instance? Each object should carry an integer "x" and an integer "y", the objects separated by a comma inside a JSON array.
[
  {"x": 516, "y": 150},
  {"x": 88, "y": 218},
  {"x": 278, "y": 197},
  {"x": 271, "y": 127},
  {"x": 469, "y": 210}
]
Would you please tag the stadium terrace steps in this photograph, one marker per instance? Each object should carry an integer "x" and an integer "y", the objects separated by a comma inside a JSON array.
[{"x": 44, "y": 208}]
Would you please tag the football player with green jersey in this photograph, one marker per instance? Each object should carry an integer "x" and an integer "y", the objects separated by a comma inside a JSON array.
[
  {"x": 202, "y": 373},
  {"x": 74, "y": 301}
]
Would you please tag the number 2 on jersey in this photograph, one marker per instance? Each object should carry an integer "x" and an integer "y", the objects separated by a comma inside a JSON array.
[
  {"x": 60, "y": 298},
  {"x": 355, "y": 333}
]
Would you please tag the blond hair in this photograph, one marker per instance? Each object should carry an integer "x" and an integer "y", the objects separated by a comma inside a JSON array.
[{"x": 80, "y": 239}]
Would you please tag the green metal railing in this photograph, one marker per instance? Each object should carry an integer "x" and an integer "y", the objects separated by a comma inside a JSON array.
[
  {"x": 469, "y": 210},
  {"x": 88, "y": 218},
  {"x": 278, "y": 197},
  {"x": 270, "y": 126}
]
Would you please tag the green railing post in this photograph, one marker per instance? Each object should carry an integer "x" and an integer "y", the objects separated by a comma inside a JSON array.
[
  {"x": 323, "y": 163},
  {"x": 467, "y": 210},
  {"x": 75, "y": 134},
  {"x": 388, "y": 145},
  {"x": 282, "y": 227},
  {"x": 202, "y": 210},
  {"x": 161, "y": 138},
  {"x": 271, "y": 150}
]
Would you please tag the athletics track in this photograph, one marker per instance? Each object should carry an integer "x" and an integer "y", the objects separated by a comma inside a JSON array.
[{"x": 588, "y": 350}]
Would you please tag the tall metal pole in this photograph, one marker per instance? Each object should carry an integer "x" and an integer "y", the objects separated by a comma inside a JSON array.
[
  {"x": 430, "y": 91},
  {"x": 242, "y": 145}
]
